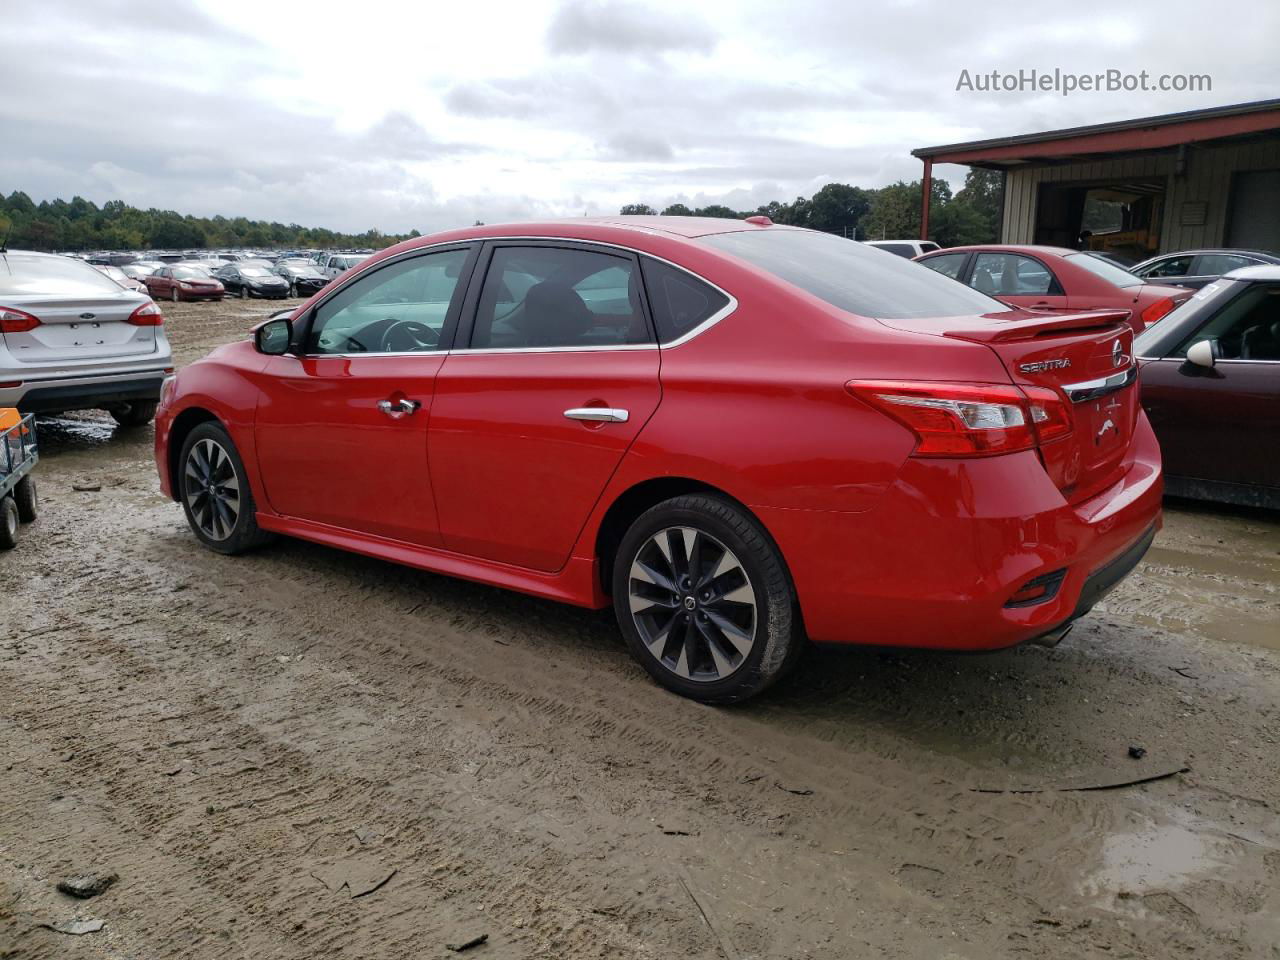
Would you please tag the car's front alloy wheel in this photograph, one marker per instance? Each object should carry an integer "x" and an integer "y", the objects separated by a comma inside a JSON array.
[
  {"x": 704, "y": 599},
  {"x": 215, "y": 492}
]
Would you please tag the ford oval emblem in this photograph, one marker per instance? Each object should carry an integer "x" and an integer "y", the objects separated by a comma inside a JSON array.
[{"x": 87, "y": 316}]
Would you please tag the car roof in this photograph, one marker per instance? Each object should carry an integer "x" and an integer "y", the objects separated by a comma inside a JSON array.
[
  {"x": 1269, "y": 271},
  {"x": 1200, "y": 251},
  {"x": 1027, "y": 248}
]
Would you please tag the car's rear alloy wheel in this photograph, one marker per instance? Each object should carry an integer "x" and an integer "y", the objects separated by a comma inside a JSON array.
[
  {"x": 704, "y": 599},
  {"x": 692, "y": 604},
  {"x": 215, "y": 493}
]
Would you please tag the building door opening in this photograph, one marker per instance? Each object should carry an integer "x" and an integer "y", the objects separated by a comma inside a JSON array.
[
  {"x": 1254, "y": 220},
  {"x": 1121, "y": 220}
]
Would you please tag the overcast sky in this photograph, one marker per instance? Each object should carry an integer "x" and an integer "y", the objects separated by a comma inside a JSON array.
[{"x": 398, "y": 115}]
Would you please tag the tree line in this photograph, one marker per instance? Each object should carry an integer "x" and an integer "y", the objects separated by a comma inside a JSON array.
[
  {"x": 970, "y": 215},
  {"x": 79, "y": 225}
]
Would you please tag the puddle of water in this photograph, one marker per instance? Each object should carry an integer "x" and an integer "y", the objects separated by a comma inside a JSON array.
[{"x": 1157, "y": 857}]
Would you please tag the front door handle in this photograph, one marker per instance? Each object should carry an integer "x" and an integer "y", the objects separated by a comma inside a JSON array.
[
  {"x": 398, "y": 408},
  {"x": 601, "y": 414}
]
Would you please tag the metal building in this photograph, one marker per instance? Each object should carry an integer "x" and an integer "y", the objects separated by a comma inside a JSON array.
[{"x": 1203, "y": 178}]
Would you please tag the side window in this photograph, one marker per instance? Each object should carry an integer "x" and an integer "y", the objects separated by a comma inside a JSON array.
[
  {"x": 679, "y": 300},
  {"x": 1011, "y": 275},
  {"x": 948, "y": 264},
  {"x": 1169, "y": 267},
  {"x": 1247, "y": 328},
  {"x": 558, "y": 297},
  {"x": 1216, "y": 264},
  {"x": 400, "y": 308},
  {"x": 901, "y": 249}
]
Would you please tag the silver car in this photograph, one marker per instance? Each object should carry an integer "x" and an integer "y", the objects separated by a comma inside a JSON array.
[{"x": 73, "y": 339}]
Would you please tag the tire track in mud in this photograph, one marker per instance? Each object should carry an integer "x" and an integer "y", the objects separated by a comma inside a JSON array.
[{"x": 522, "y": 774}]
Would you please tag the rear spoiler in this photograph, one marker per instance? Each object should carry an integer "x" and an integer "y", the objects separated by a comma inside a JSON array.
[{"x": 1023, "y": 325}]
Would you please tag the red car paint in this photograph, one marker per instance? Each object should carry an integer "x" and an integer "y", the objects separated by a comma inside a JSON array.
[
  {"x": 491, "y": 482},
  {"x": 1074, "y": 287}
]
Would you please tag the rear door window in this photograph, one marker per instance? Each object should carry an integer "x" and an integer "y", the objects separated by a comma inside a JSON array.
[
  {"x": 543, "y": 297},
  {"x": 1012, "y": 275},
  {"x": 1216, "y": 264}
]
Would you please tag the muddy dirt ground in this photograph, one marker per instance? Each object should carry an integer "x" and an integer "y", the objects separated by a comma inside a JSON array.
[{"x": 236, "y": 738}]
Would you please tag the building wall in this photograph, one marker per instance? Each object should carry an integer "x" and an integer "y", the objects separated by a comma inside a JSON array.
[{"x": 1207, "y": 179}]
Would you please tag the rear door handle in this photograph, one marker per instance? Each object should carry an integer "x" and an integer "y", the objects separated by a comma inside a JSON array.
[
  {"x": 398, "y": 408},
  {"x": 602, "y": 414}
]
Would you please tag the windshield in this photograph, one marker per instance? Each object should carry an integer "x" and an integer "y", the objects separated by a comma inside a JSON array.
[
  {"x": 1105, "y": 269},
  {"x": 255, "y": 271},
  {"x": 23, "y": 274},
  {"x": 855, "y": 277},
  {"x": 189, "y": 273}
]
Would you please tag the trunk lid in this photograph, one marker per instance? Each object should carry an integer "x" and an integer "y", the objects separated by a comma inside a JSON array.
[
  {"x": 1086, "y": 358},
  {"x": 79, "y": 328}
]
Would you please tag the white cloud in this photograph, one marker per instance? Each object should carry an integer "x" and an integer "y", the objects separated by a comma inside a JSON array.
[{"x": 433, "y": 115}]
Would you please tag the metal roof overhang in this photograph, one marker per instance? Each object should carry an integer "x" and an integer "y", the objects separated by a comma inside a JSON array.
[{"x": 1126, "y": 136}]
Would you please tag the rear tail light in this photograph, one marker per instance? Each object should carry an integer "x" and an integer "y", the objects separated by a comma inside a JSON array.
[
  {"x": 1158, "y": 310},
  {"x": 147, "y": 315},
  {"x": 15, "y": 321},
  {"x": 969, "y": 420}
]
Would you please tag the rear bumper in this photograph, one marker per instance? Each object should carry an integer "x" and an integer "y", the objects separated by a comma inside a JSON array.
[
  {"x": 937, "y": 562},
  {"x": 83, "y": 393}
]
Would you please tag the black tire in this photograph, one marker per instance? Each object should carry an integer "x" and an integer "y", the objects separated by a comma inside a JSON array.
[
  {"x": 209, "y": 521},
  {"x": 136, "y": 414},
  {"x": 8, "y": 524},
  {"x": 731, "y": 557},
  {"x": 24, "y": 495},
  {"x": 293, "y": 291}
]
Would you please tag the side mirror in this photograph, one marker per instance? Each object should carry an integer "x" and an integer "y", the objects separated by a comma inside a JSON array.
[
  {"x": 1203, "y": 354},
  {"x": 274, "y": 337}
]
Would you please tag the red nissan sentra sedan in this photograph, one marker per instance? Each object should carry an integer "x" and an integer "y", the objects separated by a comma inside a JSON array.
[
  {"x": 742, "y": 436},
  {"x": 1057, "y": 280}
]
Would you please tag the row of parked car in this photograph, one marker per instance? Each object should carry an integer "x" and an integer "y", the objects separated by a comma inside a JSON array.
[
  {"x": 214, "y": 276},
  {"x": 1209, "y": 347}
]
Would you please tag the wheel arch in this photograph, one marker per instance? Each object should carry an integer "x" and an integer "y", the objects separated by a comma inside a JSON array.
[
  {"x": 638, "y": 498},
  {"x": 181, "y": 428}
]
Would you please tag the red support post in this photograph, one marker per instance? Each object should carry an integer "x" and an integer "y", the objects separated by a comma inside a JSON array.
[{"x": 926, "y": 190}]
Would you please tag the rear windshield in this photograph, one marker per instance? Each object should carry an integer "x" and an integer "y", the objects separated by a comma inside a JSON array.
[
  {"x": 24, "y": 275},
  {"x": 855, "y": 277},
  {"x": 1106, "y": 270}
]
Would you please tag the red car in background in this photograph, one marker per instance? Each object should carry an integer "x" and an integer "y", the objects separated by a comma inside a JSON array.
[
  {"x": 741, "y": 436},
  {"x": 183, "y": 283},
  {"x": 1056, "y": 279}
]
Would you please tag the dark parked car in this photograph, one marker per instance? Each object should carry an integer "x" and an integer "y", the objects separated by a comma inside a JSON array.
[
  {"x": 1057, "y": 280},
  {"x": 1195, "y": 268},
  {"x": 178, "y": 282},
  {"x": 303, "y": 277},
  {"x": 1211, "y": 388},
  {"x": 250, "y": 280}
]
